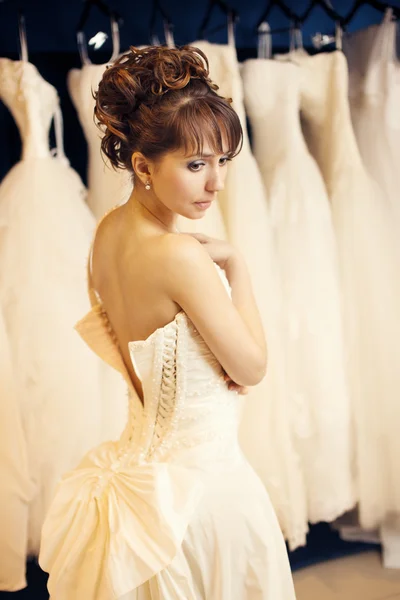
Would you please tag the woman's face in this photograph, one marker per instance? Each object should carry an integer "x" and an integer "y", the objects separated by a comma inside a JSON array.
[{"x": 189, "y": 185}]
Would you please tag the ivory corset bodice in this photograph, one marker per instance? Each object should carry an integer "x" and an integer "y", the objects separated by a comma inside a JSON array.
[{"x": 186, "y": 401}]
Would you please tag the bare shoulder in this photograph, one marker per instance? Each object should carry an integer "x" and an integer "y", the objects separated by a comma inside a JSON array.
[
  {"x": 181, "y": 258},
  {"x": 181, "y": 250},
  {"x": 108, "y": 227}
]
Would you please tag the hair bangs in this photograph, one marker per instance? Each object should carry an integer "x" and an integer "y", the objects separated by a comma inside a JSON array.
[{"x": 207, "y": 121}]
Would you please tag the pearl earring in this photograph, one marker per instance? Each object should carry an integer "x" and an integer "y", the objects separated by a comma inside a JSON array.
[{"x": 147, "y": 186}]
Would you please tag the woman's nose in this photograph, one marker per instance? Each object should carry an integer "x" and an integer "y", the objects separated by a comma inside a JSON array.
[{"x": 215, "y": 182}]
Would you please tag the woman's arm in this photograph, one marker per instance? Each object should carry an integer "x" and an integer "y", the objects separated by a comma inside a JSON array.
[{"x": 231, "y": 328}]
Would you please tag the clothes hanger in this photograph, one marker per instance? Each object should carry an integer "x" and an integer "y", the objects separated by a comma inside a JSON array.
[
  {"x": 320, "y": 40},
  {"x": 292, "y": 16},
  {"x": 115, "y": 20},
  {"x": 167, "y": 23},
  {"x": 231, "y": 29},
  {"x": 264, "y": 31},
  {"x": 380, "y": 6},
  {"x": 296, "y": 39},
  {"x": 57, "y": 115},
  {"x": 23, "y": 43},
  {"x": 232, "y": 18},
  {"x": 264, "y": 44}
]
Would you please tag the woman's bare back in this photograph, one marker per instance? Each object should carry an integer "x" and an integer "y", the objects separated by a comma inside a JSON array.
[{"x": 127, "y": 270}]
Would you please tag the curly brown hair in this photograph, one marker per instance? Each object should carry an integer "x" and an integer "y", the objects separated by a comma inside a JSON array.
[{"x": 157, "y": 99}]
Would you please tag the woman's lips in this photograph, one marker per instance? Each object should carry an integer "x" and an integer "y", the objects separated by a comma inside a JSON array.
[{"x": 203, "y": 205}]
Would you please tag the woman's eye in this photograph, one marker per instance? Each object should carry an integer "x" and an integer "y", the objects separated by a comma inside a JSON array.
[
  {"x": 195, "y": 166},
  {"x": 198, "y": 166}
]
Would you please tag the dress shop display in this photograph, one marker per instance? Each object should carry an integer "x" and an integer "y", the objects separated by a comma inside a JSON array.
[{"x": 138, "y": 503}]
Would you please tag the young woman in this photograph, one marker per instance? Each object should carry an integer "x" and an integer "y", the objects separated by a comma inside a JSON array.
[{"x": 172, "y": 510}]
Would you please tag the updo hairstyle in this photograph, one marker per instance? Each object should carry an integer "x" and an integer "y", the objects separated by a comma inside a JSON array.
[{"x": 156, "y": 100}]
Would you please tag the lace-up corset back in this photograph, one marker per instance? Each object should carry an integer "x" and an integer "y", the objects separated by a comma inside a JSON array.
[{"x": 32, "y": 102}]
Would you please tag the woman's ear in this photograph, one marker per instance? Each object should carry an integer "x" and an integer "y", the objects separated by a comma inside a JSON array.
[{"x": 140, "y": 166}]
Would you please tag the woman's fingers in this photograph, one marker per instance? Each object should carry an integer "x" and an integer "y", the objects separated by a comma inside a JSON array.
[
  {"x": 233, "y": 386},
  {"x": 240, "y": 389},
  {"x": 201, "y": 237}
]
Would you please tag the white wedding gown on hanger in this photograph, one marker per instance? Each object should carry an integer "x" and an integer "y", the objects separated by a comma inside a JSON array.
[
  {"x": 107, "y": 187},
  {"x": 370, "y": 269},
  {"x": 265, "y": 431},
  {"x": 320, "y": 412},
  {"x": 45, "y": 232},
  {"x": 374, "y": 92}
]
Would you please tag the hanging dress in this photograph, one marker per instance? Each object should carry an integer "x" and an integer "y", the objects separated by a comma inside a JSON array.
[
  {"x": 107, "y": 187},
  {"x": 45, "y": 231},
  {"x": 171, "y": 511},
  {"x": 374, "y": 93},
  {"x": 16, "y": 489},
  {"x": 306, "y": 252},
  {"x": 367, "y": 245},
  {"x": 265, "y": 434}
]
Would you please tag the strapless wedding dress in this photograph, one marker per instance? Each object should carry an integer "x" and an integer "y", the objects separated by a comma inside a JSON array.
[{"x": 171, "y": 511}]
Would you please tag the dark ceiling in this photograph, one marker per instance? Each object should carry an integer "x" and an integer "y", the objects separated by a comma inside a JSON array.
[{"x": 51, "y": 24}]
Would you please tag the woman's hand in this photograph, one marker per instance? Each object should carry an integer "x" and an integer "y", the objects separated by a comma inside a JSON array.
[
  {"x": 219, "y": 251},
  {"x": 233, "y": 386}
]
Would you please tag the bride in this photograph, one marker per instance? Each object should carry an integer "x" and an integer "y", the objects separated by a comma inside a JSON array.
[{"x": 172, "y": 510}]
